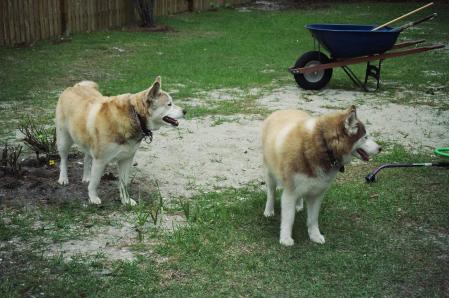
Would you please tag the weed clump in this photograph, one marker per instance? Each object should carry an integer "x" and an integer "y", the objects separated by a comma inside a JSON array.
[
  {"x": 39, "y": 137},
  {"x": 150, "y": 206},
  {"x": 10, "y": 160}
]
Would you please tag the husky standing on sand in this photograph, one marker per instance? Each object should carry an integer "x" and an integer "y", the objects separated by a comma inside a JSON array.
[
  {"x": 107, "y": 128},
  {"x": 304, "y": 154}
]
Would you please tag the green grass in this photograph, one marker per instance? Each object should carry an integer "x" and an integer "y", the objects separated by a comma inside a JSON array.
[
  {"x": 211, "y": 50},
  {"x": 384, "y": 239}
]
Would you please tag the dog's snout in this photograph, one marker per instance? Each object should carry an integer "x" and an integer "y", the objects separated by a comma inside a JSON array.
[
  {"x": 184, "y": 112},
  {"x": 380, "y": 149}
]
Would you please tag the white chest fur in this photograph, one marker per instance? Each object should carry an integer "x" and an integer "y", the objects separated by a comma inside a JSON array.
[{"x": 306, "y": 186}]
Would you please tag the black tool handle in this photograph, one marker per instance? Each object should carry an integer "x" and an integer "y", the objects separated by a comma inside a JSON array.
[
  {"x": 410, "y": 24},
  {"x": 371, "y": 177}
]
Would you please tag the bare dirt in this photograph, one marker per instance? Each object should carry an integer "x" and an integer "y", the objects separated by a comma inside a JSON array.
[
  {"x": 38, "y": 183},
  {"x": 201, "y": 156},
  {"x": 156, "y": 28},
  {"x": 206, "y": 155},
  {"x": 113, "y": 241},
  {"x": 280, "y": 5}
]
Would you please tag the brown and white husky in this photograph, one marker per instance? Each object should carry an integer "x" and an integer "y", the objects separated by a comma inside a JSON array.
[
  {"x": 107, "y": 128},
  {"x": 304, "y": 155}
]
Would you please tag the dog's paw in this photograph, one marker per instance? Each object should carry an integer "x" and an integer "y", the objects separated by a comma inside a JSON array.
[
  {"x": 287, "y": 241},
  {"x": 299, "y": 205},
  {"x": 63, "y": 180},
  {"x": 85, "y": 179},
  {"x": 129, "y": 202},
  {"x": 95, "y": 200},
  {"x": 317, "y": 238},
  {"x": 268, "y": 213}
]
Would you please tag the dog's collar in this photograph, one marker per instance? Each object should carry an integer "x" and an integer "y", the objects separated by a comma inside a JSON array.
[
  {"x": 334, "y": 162},
  {"x": 145, "y": 132}
]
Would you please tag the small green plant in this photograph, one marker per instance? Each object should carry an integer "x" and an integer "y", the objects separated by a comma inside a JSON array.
[
  {"x": 185, "y": 205},
  {"x": 39, "y": 137},
  {"x": 142, "y": 215},
  {"x": 141, "y": 210},
  {"x": 156, "y": 206},
  {"x": 150, "y": 206},
  {"x": 10, "y": 159},
  {"x": 191, "y": 211}
]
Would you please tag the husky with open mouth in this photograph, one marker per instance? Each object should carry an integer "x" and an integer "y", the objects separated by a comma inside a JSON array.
[
  {"x": 304, "y": 155},
  {"x": 109, "y": 127}
]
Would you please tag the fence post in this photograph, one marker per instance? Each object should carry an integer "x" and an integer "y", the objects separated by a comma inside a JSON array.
[
  {"x": 63, "y": 14},
  {"x": 129, "y": 6},
  {"x": 190, "y": 5}
]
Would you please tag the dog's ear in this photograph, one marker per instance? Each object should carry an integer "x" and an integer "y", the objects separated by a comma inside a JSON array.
[
  {"x": 155, "y": 89},
  {"x": 351, "y": 121}
]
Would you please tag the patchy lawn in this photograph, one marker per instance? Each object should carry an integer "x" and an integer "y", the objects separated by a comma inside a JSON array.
[
  {"x": 229, "y": 68},
  {"x": 389, "y": 238},
  {"x": 231, "y": 48}
]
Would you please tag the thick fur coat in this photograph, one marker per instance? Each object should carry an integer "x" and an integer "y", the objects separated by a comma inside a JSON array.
[
  {"x": 303, "y": 154},
  {"x": 109, "y": 128}
]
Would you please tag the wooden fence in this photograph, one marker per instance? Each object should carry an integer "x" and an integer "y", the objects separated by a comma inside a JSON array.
[{"x": 26, "y": 21}]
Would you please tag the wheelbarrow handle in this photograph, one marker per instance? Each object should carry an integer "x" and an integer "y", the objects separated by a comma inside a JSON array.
[
  {"x": 403, "y": 16},
  {"x": 410, "y": 24}
]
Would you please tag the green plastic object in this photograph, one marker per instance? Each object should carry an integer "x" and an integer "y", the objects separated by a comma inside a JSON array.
[{"x": 442, "y": 152}]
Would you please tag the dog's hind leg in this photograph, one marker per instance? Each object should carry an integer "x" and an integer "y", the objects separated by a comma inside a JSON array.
[
  {"x": 87, "y": 167},
  {"x": 97, "y": 170},
  {"x": 63, "y": 142},
  {"x": 313, "y": 210},
  {"x": 124, "y": 167},
  {"x": 288, "y": 202},
  {"x": 271, "y": 192}
]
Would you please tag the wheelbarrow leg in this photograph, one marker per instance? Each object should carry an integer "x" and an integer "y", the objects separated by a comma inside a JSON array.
[
  {"x": 354, "y": 78},
  {"x": 374, "y": 72},
  {"x": 371, "y": 71}
]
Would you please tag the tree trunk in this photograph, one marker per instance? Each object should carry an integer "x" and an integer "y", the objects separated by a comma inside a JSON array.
[
  {"x": 145, "y": 8},
  {"x": 190, "y": 5}
]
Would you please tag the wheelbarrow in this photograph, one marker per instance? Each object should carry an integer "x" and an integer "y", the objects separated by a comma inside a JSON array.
[{"x": 352, "y": 44}]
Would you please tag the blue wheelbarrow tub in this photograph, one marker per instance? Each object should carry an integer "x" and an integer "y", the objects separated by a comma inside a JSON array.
[{"x": 347, "y": 41}]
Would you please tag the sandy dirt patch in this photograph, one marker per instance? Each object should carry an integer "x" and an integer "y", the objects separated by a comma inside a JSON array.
[
  {"x": 113, "y": 242},
  {"x": 415, "y": 127},
  {"x": 205, "y": 155},
  {"x": 201, "y": 156}
]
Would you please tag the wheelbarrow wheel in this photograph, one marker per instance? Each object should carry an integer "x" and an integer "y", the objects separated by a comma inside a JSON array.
[{"x": 313, "y": 80}]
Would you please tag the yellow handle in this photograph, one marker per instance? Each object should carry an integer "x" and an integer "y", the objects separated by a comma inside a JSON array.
[{"x": 403, "y": 16}]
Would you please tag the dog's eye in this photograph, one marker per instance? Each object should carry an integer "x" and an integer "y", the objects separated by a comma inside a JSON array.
[{"x": 169, "y": 104}]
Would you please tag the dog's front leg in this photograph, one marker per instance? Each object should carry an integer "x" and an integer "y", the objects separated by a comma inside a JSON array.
[
  {"x": 97, "y": 170},
  {"x": 63, "y": 177},
  {"x": 313, "y": 210},
  {"x": 288, "y": 202},
  {"x": 124, "y": 167}
]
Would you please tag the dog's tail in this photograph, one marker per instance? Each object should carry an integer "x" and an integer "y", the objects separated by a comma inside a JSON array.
[{"x": 89, "y": 84}]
